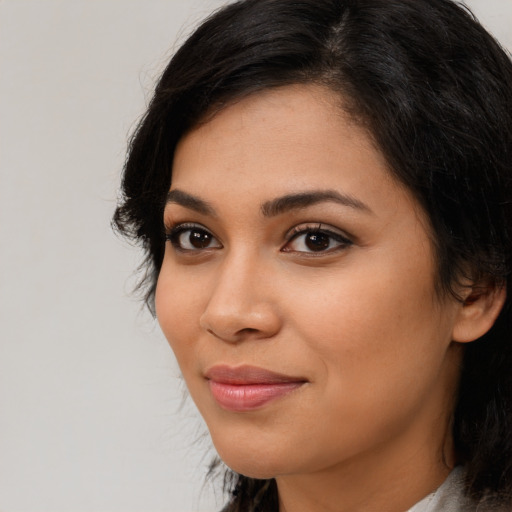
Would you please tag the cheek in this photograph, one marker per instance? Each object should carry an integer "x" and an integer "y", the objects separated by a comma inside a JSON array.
[
  {"x": 377, "y": 347},
  {"x": 177, "y": 307},
  {"x": 375, "y": 326}
]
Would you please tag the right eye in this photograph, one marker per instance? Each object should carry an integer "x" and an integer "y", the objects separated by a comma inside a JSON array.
[{"x": 185, "y": 237}]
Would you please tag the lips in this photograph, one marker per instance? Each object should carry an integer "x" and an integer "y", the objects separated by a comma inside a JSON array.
[{"x": 246, "y": 388}]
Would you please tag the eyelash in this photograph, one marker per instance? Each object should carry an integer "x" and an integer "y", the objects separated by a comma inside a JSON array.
[{"x": 174, "y": 233}]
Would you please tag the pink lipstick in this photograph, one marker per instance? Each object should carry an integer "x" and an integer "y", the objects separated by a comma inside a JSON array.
[{"x": 246, "y": 388}]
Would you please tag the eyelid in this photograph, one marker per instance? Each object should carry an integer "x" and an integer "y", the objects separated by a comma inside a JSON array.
[
  {"x": 317, "y": 226},
  {"x": 174, "y": 227}
]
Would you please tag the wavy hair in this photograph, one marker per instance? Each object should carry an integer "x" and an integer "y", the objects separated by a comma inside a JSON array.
[{"x": 434, "y": 91}]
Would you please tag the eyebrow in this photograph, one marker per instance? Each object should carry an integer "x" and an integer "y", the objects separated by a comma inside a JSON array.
[
  {"x": 275, "y": 206},
  {"x": 305, "y": 199},
  {"x": 191, "y": 202}
]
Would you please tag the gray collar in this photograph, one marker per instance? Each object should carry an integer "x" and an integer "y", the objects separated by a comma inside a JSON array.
[{"x": 449, "y": 497}]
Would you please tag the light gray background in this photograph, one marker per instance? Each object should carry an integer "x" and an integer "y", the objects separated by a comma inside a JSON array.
[{"x": 89, "y": 390}]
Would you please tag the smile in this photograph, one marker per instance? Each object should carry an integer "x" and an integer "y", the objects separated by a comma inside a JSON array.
[{"x": 247, "y": 388}]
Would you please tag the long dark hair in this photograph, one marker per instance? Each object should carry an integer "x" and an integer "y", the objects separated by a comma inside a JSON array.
[{"x": 434, "y": 91}]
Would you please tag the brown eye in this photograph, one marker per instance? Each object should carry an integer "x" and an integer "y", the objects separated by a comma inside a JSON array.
[
  {"x": 198, "y": 239},
  {"x": 316, "y": 241},
  {"x": 192, "y": 238}
]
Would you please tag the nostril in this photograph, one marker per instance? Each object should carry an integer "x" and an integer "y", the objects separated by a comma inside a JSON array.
[{"x": 248, "y": 330}]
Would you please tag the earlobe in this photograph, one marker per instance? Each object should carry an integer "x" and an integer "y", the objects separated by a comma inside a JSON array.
[{"x": 478, "y": 312}]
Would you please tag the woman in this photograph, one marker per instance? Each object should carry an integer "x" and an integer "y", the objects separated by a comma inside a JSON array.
[{"x": 323, "y": 191}]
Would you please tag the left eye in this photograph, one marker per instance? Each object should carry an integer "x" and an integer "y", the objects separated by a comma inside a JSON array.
[{"x": 316, "y": 241}]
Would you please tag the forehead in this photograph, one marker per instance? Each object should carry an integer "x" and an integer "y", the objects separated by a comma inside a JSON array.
[
  {"x": 280, "y": 141},
  {"x": 290, "y": 134}
]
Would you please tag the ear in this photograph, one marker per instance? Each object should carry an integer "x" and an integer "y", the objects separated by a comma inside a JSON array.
[{"x": 478, "y": 312}]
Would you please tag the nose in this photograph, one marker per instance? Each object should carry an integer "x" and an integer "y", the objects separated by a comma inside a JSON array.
[{"x": 242, "y": 303}]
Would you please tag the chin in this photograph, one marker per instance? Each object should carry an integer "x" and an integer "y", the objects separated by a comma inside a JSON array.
[
  {"x": 253, "y": 468},
  {"x": 253, "y": 461}
]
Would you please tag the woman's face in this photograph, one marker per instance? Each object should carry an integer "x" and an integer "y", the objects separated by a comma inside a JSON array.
[{"x": 298, "y": 291}]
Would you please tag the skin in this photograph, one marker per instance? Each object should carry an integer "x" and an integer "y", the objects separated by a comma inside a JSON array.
[{"x": 359, "y": 320}]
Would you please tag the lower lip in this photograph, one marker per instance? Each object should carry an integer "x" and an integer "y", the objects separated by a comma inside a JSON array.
[{"x": 248, "y": 397}]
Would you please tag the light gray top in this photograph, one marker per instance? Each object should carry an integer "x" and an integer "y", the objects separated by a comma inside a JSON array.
[{"x": 449, "y": 497}]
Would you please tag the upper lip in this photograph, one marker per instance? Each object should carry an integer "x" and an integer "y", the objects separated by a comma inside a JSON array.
[{"x": 246, "y": 375}]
